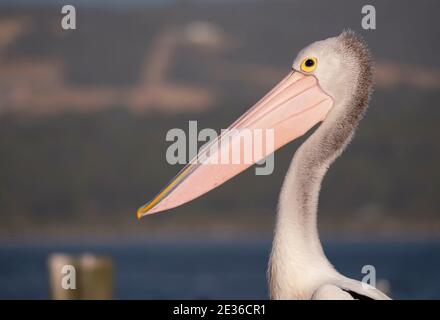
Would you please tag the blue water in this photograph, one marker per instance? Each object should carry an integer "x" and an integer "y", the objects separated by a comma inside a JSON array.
[{"x": 217, "y": 270}]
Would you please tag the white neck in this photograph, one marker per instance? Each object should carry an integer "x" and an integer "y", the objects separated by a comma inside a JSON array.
[{"x": 297, "y": 264}]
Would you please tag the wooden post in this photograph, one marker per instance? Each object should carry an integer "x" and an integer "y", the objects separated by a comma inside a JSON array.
[
  {"x": 86, "y": 277},
  {"x": 57, "y": 272},
  {"x": 96, "y": 277}
]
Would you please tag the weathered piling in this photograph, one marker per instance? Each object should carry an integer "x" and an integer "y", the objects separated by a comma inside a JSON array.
[{"x": 85, "y": 277}]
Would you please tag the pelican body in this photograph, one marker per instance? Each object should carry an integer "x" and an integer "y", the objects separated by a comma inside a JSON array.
[{"x": 330, "y": 83}]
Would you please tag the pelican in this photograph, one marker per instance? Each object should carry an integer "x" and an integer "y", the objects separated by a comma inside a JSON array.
[{"x": 330, "y": 84}]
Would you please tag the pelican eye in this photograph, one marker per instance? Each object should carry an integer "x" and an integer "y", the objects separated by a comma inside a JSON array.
[{"x": 309, "y": 64}]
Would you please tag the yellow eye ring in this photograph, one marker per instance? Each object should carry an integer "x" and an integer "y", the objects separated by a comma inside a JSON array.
[{"x": 309, "y": 64}]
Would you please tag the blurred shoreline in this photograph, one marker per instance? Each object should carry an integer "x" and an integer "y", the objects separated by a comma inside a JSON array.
[
  {"x": 217, "y": 230},
  {"x": 188, "y": 239}
]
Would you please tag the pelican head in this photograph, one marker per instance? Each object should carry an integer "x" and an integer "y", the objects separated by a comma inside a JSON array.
[
  {"x": 340, "y": 64},
  {"x": 330, "y": 81}
]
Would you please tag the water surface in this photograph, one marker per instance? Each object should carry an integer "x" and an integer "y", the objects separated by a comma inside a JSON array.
[{"x": 218, "y": 270}]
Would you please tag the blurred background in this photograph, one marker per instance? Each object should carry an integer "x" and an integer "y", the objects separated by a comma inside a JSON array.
[{"x": 83, "y": 119}]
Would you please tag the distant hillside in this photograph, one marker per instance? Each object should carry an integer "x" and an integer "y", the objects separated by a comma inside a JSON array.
[{"x": 84, "y": 114}]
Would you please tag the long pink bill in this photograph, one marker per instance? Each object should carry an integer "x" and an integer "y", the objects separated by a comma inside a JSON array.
[{"x": 288, "y": 111}]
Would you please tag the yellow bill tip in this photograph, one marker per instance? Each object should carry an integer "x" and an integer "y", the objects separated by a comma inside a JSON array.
[{"x": 142, "y": 211}]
